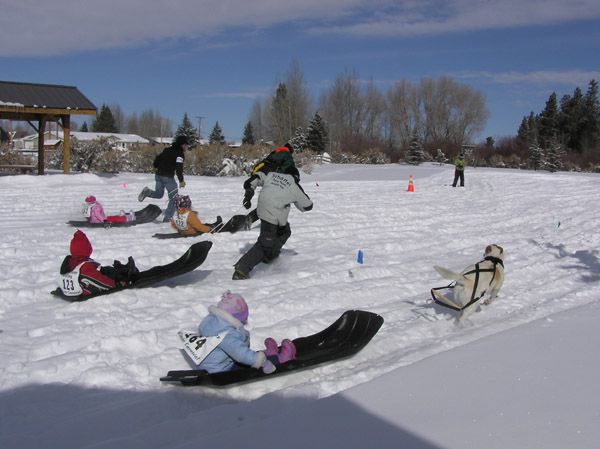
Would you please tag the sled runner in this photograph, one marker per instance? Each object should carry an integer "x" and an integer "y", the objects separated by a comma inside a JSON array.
[
  {"x": 192, "y": 259},
  {"x": 145, "y": 215},
  {"x": 344, "y": 338}
]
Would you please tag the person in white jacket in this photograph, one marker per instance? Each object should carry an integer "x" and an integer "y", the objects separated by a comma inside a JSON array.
[{"x": 279, "y": 191}]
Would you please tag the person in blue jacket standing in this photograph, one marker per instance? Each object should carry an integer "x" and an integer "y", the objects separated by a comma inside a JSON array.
[{"x": 168, "y": 163}]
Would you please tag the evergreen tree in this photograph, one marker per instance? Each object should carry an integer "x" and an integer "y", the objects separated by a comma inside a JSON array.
[
  {"x": 186, "y": 129},
  {"x": 591, "y": 125},
  {"x": 216, "y": 136},
  {"x": 415, "y": 154},
  {"x": 248, "y": 138},
  {"x": 84, "y": 128},
  {"x": 105, "y": 121},
  {"x": 553, "y": 157},
  {"x": 571, "y": 120},
  {"x": 317, "y": 134},
  {"x": 440, "y": 157},
  {"x": 548, "y": 122},
  {"x": 300, "y": 141},
  {"x": 536, "y": 156}
]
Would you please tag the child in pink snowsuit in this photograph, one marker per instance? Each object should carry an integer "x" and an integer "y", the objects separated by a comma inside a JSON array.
[{"x": 95, "y": 213}]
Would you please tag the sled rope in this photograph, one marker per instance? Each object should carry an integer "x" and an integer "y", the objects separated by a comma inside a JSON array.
[{"x": 223, "y": 223}]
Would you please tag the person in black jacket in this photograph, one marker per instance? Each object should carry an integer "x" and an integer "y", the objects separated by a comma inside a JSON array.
[{"x": 168, "y": 164}]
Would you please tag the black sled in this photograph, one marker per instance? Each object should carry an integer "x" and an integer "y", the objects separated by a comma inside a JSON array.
[
  {"x": 192, "y": 259},
  {"x": 344, "y": 338},
  {"x": 233, "y": 225},
  {"x": 146, "y": 215}
]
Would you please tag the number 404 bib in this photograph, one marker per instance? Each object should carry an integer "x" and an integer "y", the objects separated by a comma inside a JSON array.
[{"x": 199, "y": 347}]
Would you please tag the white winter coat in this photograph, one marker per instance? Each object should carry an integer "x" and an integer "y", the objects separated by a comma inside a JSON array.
[{"x": 278, "y": 191}]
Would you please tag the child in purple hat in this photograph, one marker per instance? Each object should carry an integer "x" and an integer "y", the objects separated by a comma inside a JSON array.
[{"x": 228, "y": 317}]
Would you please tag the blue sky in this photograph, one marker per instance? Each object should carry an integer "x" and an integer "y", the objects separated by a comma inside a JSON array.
[{"x": 214, "y": 58}]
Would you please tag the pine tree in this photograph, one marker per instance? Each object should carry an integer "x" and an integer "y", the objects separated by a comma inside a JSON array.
[
  {"x": 216, "y": 136},
  {"x": 300, "y": 141},
  {"x": 186, "y": 129},
  {"x": 415, "y": 154},
  {"x": 548, "y": 123},
  {"x": 248, "y": 138},
  {"x": 105, "y": 121},
  {"x": 553, "y": 157},
  {"x": 591, "y": 125},
  {"x": 536, "y": 155},
  {"x": 84, "y": 128},
  {"x": 317, "y": 134}
]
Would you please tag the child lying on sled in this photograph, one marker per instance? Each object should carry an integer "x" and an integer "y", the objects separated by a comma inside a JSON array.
[{"x": 94, "y": 212}]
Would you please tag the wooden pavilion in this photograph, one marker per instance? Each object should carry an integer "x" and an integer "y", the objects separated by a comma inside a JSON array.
[{"x": 43, "y": 103}]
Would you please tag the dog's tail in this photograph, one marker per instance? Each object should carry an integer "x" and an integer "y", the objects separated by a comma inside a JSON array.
[{"x": 453, "y": 276}]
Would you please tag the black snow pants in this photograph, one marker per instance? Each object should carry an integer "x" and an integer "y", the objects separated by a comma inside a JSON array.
[{"x": 267, "y": 248}]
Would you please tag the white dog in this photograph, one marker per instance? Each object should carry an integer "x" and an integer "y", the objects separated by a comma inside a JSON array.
[{"x": 475, "y": 281}]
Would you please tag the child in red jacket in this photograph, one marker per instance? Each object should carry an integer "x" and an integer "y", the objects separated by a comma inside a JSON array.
[{"x": 83, "y": 276}]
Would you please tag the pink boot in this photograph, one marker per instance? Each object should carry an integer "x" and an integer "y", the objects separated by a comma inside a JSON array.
[
  {"x": 288, "y": 351},
  {"x": 271, "y": 347}
]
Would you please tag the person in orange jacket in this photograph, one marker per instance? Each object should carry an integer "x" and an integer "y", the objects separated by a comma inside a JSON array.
[{"x": 187, "y": 222}]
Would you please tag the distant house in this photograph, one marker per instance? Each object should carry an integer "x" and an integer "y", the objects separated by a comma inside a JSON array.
[
  {"x": 161, "y": 140},
  {"x": 53, "y": 140},
  {"x": 121, "y": 141}
]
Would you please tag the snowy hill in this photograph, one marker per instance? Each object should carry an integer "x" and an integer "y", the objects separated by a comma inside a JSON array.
[{"x": 519, "y": 374}]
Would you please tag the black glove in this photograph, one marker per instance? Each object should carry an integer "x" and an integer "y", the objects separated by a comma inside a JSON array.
[{"x": 248, "y": 198}]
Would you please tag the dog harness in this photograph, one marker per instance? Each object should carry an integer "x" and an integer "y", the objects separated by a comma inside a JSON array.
[{"x": 447, "y": 302}]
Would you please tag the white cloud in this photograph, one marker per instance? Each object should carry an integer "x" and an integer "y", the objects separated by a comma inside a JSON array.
[
  {"x": 567, "y": 77},
  {"x": 31, "y": 27},
  {"x": 429, "y": 17}
]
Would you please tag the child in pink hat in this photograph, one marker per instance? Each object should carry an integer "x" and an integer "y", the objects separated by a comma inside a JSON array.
[{"x": 94, "y": 211}]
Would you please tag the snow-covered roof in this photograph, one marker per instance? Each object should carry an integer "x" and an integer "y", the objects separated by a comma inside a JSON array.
[{"x": 126, "y": 138}]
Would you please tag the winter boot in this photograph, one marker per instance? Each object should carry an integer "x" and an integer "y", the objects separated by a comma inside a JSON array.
[
  {"x": 288, "y": 351},
  {"x": 271, "y": 347},
  {"x": 239, "y": 275},
  {"x": 132, "y": 270},
  {"x": 216, "y": 224},
  {"x": 143, "y": 194}
]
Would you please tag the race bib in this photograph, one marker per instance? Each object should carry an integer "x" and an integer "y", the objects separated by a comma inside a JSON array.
[
  {"x": 86, "y": 210},
  {"x": 181, "y": 221},
  {"x": 199, "y": 347},
  {"x": 69, "y": 283}
]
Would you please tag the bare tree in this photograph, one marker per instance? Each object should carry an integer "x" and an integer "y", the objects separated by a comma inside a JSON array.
[
  {"x": 450, "y": 111},
  {"x": 374, "y": 113},
  {"x": 257, "y": 120},
  {"x": 288, "y": 108},
  {"x": 342, "y": 107},
  {"x": 403, "y": 113}
]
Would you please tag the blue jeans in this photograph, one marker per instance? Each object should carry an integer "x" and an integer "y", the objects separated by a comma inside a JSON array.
[{"x": 165, "y": 183}]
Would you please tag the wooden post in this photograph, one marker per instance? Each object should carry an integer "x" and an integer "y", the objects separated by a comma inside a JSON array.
[
  {"x": 41, "y": 152},
  {"x": 66, "y": 126}
]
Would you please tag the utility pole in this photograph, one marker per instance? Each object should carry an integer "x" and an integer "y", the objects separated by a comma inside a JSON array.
[{"x": 199, "y": 117}]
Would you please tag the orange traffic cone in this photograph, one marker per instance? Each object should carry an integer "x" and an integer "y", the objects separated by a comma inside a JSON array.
[{"x": 411, "y": 184}]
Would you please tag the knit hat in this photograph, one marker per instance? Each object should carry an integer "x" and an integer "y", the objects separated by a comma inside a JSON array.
[
  {"x": 80, "y": 245},
  {"x": 183, "y": 202},
  {"x": 235, "y": 305},
  {"x": 181, "y": 140},
  {"x": 90, "y": 199}
]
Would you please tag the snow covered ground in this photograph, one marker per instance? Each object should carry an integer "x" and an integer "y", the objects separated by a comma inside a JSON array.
[{"x": 521, "y": 374}]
